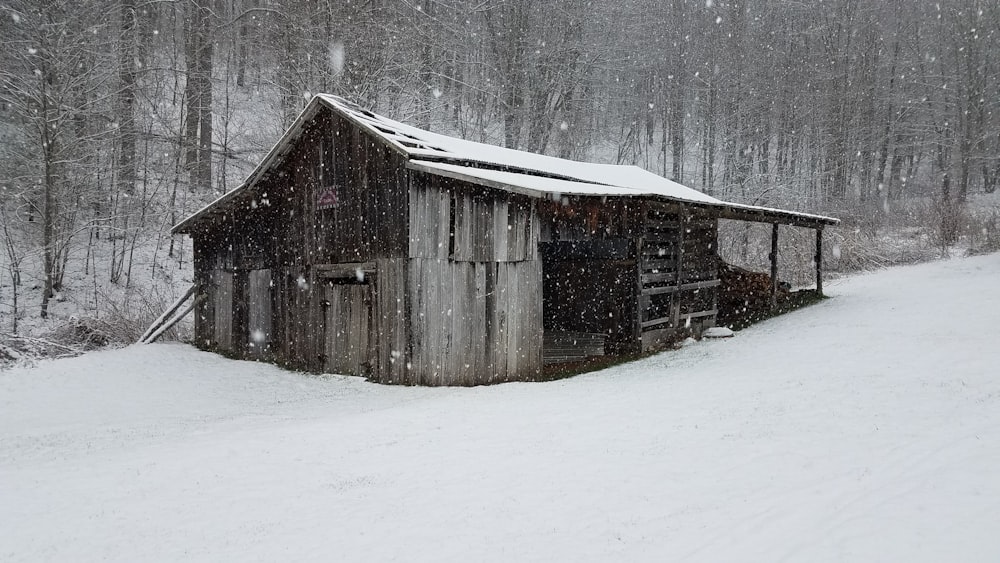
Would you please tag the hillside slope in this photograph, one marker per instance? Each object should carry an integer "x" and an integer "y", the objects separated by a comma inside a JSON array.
[{"x": 866, "y": 428}]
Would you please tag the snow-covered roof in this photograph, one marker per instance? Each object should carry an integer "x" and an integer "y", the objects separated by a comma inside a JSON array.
[{"x": 507, "y": 169}]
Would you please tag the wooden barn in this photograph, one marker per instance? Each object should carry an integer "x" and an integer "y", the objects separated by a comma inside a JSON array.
[{"x": 364, "y": 246}]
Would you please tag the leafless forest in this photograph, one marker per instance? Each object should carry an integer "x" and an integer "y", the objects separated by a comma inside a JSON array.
[{"x": 119, "y": 117}]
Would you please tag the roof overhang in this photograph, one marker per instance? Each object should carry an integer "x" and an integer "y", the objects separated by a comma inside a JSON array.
[{"x": 550, "y": 188}]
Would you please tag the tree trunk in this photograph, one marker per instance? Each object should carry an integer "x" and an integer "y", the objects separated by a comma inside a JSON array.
[{"x": 126, "y": 98}]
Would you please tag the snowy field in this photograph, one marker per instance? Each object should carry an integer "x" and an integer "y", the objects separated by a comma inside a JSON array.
[{"x": 866, "y": 428}]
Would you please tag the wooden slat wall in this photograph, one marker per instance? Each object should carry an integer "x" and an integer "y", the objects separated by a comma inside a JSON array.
[
  {"x": 429, "y": 218},
  {"x": 452, "y": 219},
  {"x": 474, "y": 322},
  {"x": 370, "y": 218},
  {"x": 474, "y": 285},
  {"x": 678, "y": 273}
]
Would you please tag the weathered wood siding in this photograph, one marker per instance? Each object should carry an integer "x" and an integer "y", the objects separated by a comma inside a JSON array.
[
  {"x": 285, "y": 231},
  {"x": 678, "y": 273},
  {"x": 474, "y": 285},
  {"x": 455, "y": 290}
]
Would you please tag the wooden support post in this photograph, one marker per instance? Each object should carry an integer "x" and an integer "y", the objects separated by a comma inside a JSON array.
[
  {"x": 675, "y": 305},
  {"x": 640, "y": 305},
  {"x": 819, "y": 262},
  {"x": 774, "y": 265}
]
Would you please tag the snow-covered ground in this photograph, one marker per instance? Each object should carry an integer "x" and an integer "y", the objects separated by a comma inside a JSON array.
[{"x": 866, "y": 428}]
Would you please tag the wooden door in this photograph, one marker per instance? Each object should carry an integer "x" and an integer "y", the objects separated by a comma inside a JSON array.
[{"x": 349, "y": 325}]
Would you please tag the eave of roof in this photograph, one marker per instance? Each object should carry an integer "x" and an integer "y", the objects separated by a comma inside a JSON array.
[{"x": 545, "y": 187}]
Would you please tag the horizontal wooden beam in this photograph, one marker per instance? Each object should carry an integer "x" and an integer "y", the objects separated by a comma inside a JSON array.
[
  {"x": 658, "y": 277},
  {"x": 682, "y": 287},
  {"x": 776, "y": 216},
  {"x": 684, "y": 316},
  {"x": 345, "y": 270},
  {"x": 700, "y": 314},
  {"x": 659, "y": 264},
  {"x": 599, "y": 249}
]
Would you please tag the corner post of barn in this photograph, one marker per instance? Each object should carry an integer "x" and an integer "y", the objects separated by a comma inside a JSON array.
[
  {"x": 774, "y": 265},
  {"x": 819, "y": 261}
]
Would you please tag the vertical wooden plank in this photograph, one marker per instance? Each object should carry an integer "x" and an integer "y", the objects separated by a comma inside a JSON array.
[
  {"x": 485, "y": 219},
  {"x": 342, "y": 349},
  {"x": 365, "y": 351},
  {"x": 417, "y": 323},
  {"x": 426, "y": 318},
  {"x": 439, "y": 355},
  {"x": 480, "y": 324},
  {"x": 395, "y": 219},
  {"x": 492, "y": 320},
  {"x": 352, "y": 328},
  {"x": 224, "y": 311},
  {"x": 469, "y": 321},
  {"x": 450, "y": 336},
  {"x": 258, "y": 311},
  {"x": 456, "y": 324},
  {"x": 334, "y": 313},
  {"x": 387, "y": 323},
  {"x": 381, "y": 339},
  {"x": 358, "y": 327},
  {"x": 534, "y": 231},
  {"x": 675, "y": 308},
  {"x": 428, "y": 233},
  {"x": 525, "y": 318},
  {"x": 774, "y": 265},
  {"x": 401, "y": 321},
  {"x": 538, "y": 327},
  {"x": 341, "y": 353},
  {"x": 443, "y": 244},
  {"x": 205, "y": 322},
  {"x": 416, "y": 222},
  {"x": 468, "y": 227},
  {"x": 500, "y": 230},
  {"x": 335, "y": 332},
  {"x": 503, "y": 284},
  {"x": 432, "y": 288},
  {"x": 514, "y": 313},
  {"x": 819, "y": 261},
  {"x": 518, "y": 228},
  {"x": 345, "y": 329},
  {"x": 514, "y": 234},
  {"x": 464, "y": 222}
]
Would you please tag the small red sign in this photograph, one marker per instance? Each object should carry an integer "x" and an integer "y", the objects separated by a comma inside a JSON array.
[{"x": 326, "y": 198}]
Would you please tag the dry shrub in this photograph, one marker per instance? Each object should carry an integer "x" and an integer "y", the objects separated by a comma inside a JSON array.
[
  {"x": 18, "y": 349},
  {"x": 983, "y": 230},
  {"x": 82, "y": 333}
]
